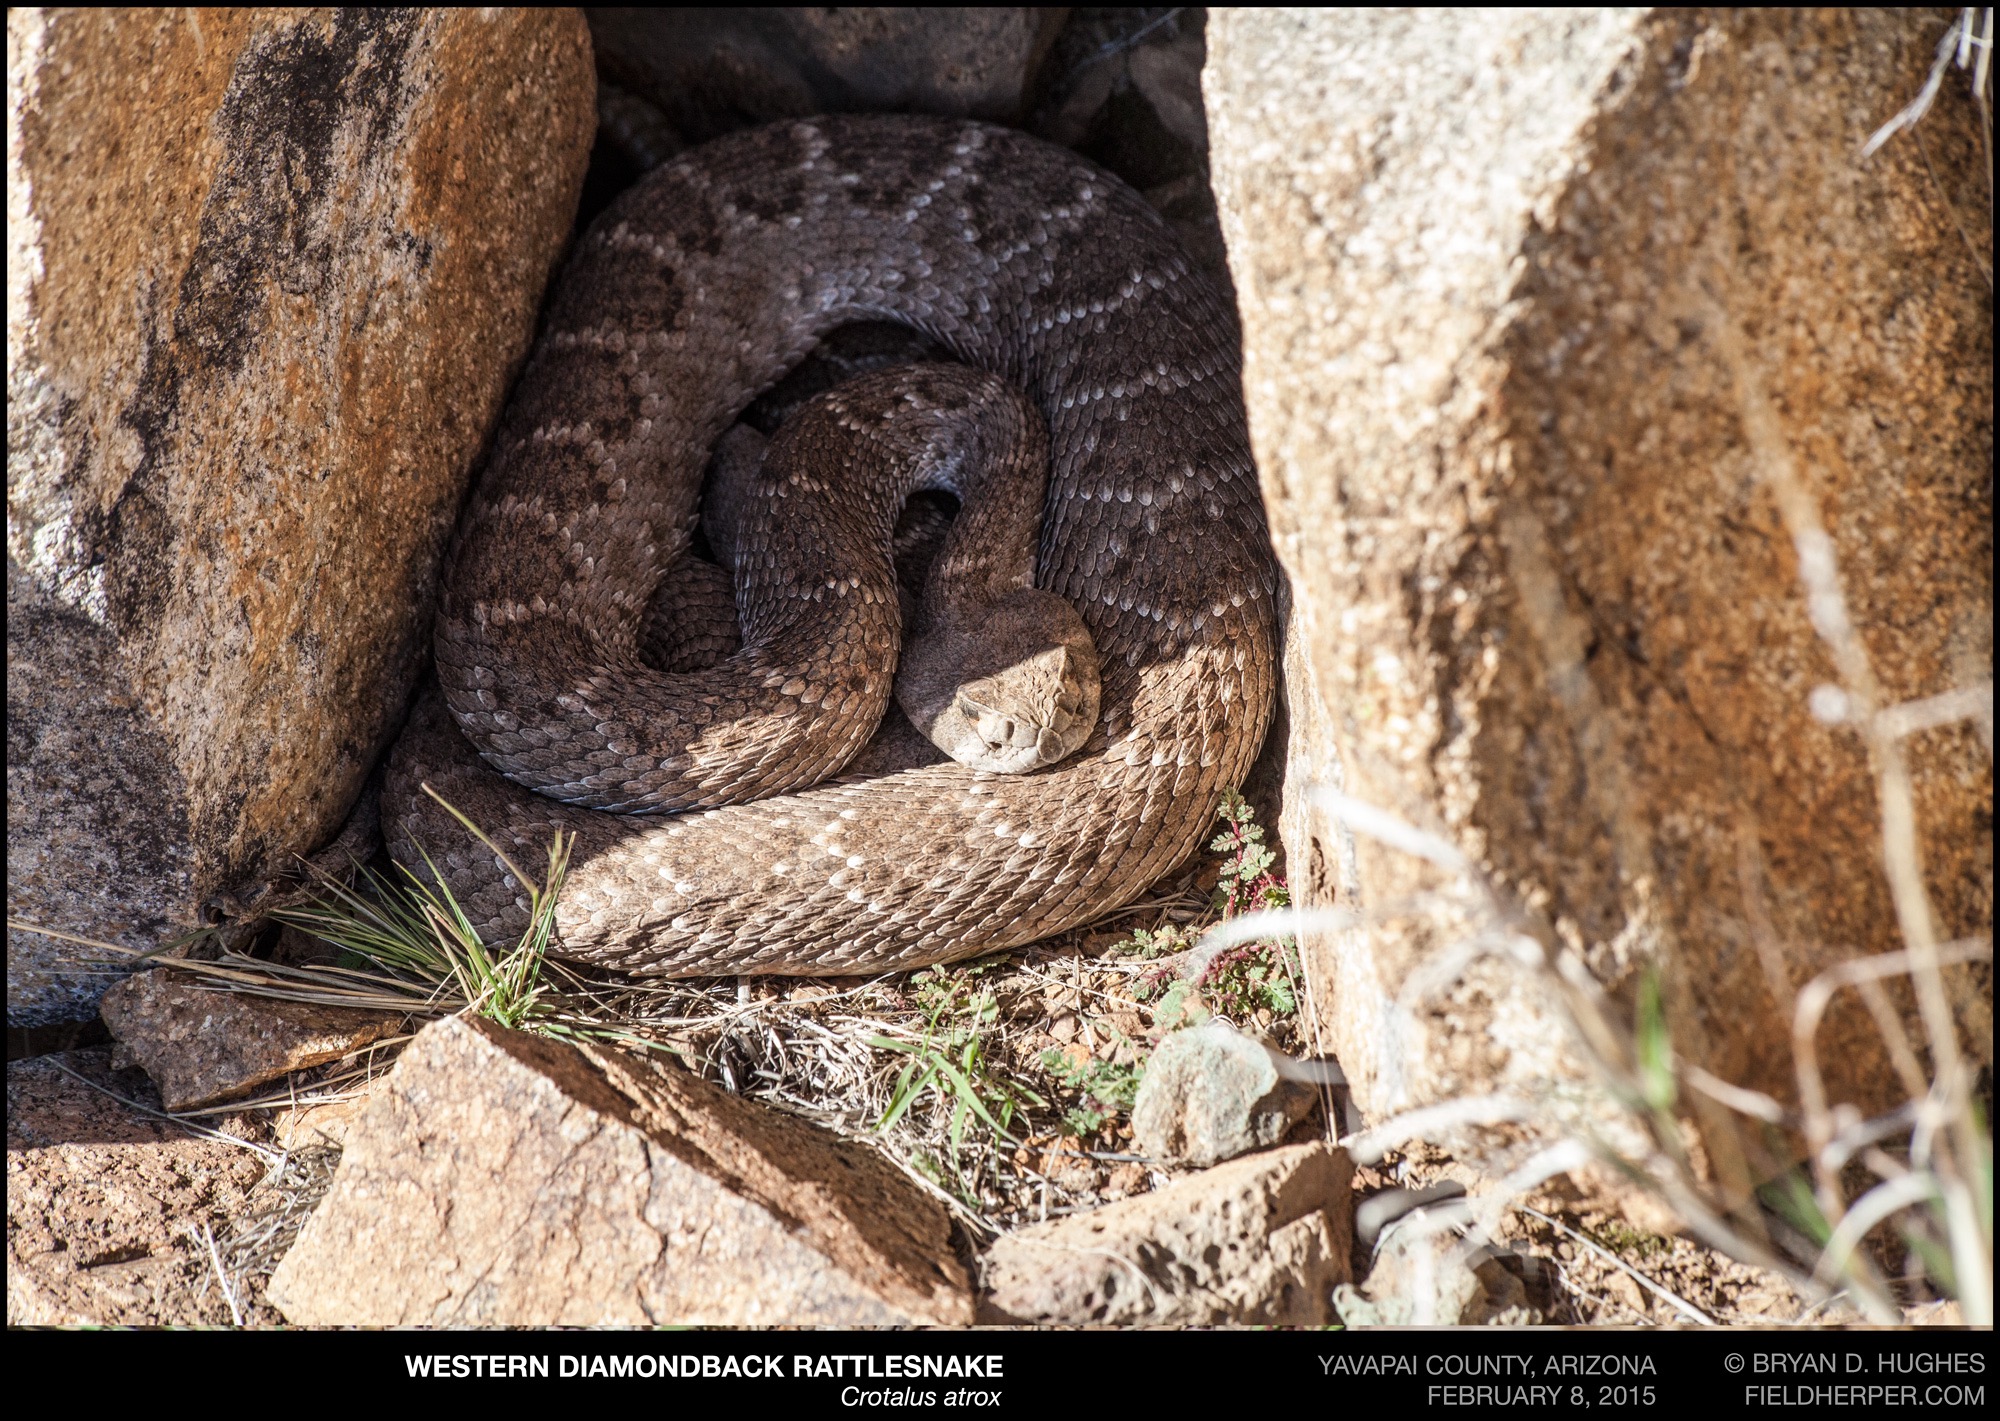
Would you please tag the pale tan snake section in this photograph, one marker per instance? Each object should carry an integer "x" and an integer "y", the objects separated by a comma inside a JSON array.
[{"x": 696, "y": 291}]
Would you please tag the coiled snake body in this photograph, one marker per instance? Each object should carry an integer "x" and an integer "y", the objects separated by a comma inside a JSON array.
[{"x": 696, "y": 291}]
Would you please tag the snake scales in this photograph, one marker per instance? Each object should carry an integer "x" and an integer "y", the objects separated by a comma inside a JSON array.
[{"x": 693, "y": 293}]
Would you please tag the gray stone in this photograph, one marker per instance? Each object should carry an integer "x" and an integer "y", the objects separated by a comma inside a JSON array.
[
  {"x": 1260, "y": 1241},
  {"x": 202, "y": 1046},
  {"x": 714, "y": 70},
  {"x": 106, "y": 1205},
  {"x": 501, "y": 1179},
  {"x": 1424, "y": 1276},
  {"x": 1123, "y": 87},
  {"x": 269, "y": 275},
  {"x": 1526, "y": 316},
  {"x": 1211, "y": 1093},
  {"x": 1102, "y": 54}
]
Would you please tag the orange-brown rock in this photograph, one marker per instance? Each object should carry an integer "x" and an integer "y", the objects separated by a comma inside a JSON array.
[
  {"x": 202, "y": 1046},
  {"x": 502, "y": 1179},
  {"x": 1261, "y": 1240},
  {"x": 1529, "y": 319},
  {"x": 269, "y": 275},
  {"x": 106, "y": 1206}
]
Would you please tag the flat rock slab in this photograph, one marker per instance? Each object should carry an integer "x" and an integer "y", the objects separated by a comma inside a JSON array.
[
  {"x": 202, "y": 1046},
  {"x": 1211, "y": 1093},
  {"x": 502, "y": 1179},
  {"x": 1260, "y": 1240},
  {"x": 105, "y": 1204}
]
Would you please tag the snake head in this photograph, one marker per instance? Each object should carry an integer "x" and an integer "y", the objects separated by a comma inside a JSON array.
[
  {"x": 1017, "y": 692},
  {"x": 1030, "y": 715}
]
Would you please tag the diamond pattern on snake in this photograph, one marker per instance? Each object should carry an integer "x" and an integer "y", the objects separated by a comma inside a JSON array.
[{"x": 1108, "y": 579}]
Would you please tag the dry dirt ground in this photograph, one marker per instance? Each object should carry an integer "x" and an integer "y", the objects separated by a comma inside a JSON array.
[{"x": 1048, "y": 1039}]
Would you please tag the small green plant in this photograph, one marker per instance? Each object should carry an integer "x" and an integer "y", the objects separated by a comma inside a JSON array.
[
  {"x": 1257, "y": 976},
  {"x": 1163, "y": 941},
  {"x": 418, "y": 933},
  {"x": 950, "y": 1061},
  {"x": 1652, "y": 1046},
  {"x": 1242, "y": 980},
  {"x": 1108, "y": 1090},
  {"x": 1179, "y": 1006},
  {"x": 1247, "y": 884},
  {"x": 943, "y": 992},
  {"x": 1790, "y": 1196},
  {"x": 1238, "y": 981},
  {"x": 1623, "y": 1239}
]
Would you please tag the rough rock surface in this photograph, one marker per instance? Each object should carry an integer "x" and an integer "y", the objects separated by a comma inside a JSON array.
[
  {"x": 269, "y": 274},
  {"x": 1514, "y": 309},
  {"x": 1123, "y": 88},
  {"x": 1260, "y": 1241},
  {"x": 1424, "y": 1276},
  {"x": 202, "y": 1046},
  {"x": 501, "y": 1179},
  {"x": 105, "y": 1205},
  {"x": 1211, "y": 1093},
  {"x": 711, "y": 71}
]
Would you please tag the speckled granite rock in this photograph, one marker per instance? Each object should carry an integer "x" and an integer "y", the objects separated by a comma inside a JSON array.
[
  {"x": 269, "y": 274},
  {"x": 102, "y": 1199},
  {"x": 1512, "y": 308},
  {"x": 202, "y": 1046},
  {"x": 502, "y": 1179},
  {"x": 1262, "y": 1241},
  {"x": 1211, "y": 1093}
]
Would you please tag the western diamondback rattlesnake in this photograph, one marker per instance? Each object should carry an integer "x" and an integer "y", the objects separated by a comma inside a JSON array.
[{"x": 697, "y": 290}]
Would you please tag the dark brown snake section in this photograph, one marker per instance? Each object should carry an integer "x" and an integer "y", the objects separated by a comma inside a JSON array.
[{"x": 695, "y": 292}]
